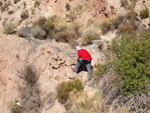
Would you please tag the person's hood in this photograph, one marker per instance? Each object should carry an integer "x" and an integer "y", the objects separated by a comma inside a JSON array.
[{"x": 78, "y": 47}]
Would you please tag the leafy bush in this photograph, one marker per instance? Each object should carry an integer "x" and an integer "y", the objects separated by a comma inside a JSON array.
[
  {"x": 119, "y": 20},
  {"x": 9, "y": 28},
  {"x": 127, "y": 28},
  {"x": 133, "y": 62},
  {"x": 45, "y": 27},
  {"x": 24, "y": 14},
  {"x": 144, "y": 13},
  {"x": 64, "y": 88},
  {"x": 37, "y": 32}
]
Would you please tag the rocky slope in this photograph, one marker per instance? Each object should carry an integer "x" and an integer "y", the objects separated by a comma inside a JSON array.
[{"x": 52, "y": 61}]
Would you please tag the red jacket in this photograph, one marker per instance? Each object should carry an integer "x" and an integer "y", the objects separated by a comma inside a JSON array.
[{"x": 84, "y": 54}]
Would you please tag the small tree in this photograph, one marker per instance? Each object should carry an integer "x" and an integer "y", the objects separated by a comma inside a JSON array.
[{"x": 133, "y": 62}]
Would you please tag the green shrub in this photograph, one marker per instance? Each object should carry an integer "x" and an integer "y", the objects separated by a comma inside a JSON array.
[
  {"x": 49, "y": 28},
  {"x": 119, "y": 20},
  {"x": 37, "y": 32},
  {"x": 64, "y": 88},
  {"x": 24, "y": 14},
  {"x": 144, "y": 13},
  {"x": 89, "y": 38},
  {"x": 40, "y": 22},
  {"x": 9, "y": 28},
  {"x": 133, "y": 62}
]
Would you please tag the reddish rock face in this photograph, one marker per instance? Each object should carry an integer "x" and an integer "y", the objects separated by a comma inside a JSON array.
[{"x": 102, "y": 9}]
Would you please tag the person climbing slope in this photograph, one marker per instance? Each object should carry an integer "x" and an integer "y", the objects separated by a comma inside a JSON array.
[{"x": 85, "y": 58}]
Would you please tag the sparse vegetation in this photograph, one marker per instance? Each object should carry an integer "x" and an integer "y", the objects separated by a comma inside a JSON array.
[
  {"x": 24, "y": 14},
  {"x": 64, "y": 88},
  {"x": 14, "y": 107},
  {"x": 78, "y": 11},
  {"x": 107, "y": 25},
  {"x": 99, "y": 71},
  {"x": 127, "y": 28},
  {"x": 89, "y": 38},
  {"x": 37, "y": 32},
  {"x": 66, "y": 36},
  {"x": 9, "y": 28},
  {"x": 30, "y": 93},
  {"x": 144, "y": 13},
  {"x": 131, "y": 15},
  {"x": 118, "y": 21},
  {"x": 80, "y": 102}
]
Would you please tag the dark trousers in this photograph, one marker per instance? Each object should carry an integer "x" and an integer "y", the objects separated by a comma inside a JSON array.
[{"x": 87, "y": 63}]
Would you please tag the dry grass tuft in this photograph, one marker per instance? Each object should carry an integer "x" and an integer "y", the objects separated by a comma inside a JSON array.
[
  {"x": 81, "y": 103},
  {"x": 9, "y": 28}
]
